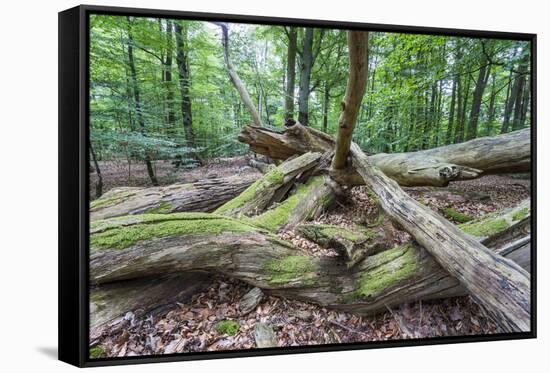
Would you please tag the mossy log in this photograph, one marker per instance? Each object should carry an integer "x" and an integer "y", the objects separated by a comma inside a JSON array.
[
  {"x": 203, "y": 196},
  {"x": 506, "y": 153},
  {"x": 499, "y": 285},
  {"x": 137, "y": 247},
  {"x": 269, "y": 189},
  {"x": 354, "y": 244}
]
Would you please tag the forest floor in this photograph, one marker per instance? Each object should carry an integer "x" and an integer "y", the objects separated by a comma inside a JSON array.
[{"x": 191, "y": 327}]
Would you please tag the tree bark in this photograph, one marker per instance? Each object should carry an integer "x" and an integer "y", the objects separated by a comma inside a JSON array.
[
  {"x": 290, "y": 72},
  {"x": 203, "y": 195},
  {"x": 99, "y": 185},
  {"x": 305, "y": 76},
  {"x": 355, "y": 89},
  {"x": 433, "y": 167},
  {"x": 185, "y": 83},
  {"x": 481, "y": 83},
  {"x": 137, "y": 100},
  {"x": 500, "y": 286},
  {"x": 236, "y": 80},
  {"x": 382, "y": 279}
]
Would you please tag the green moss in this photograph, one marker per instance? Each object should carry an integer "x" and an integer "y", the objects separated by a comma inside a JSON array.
[
  {"x": 228, "y": 327},
  {"x": 275, "y": 218},
  {"x": 486, "y": 227},
  {"x": 291, "y": 268},
  {"x": 384, "y": 270},
  {"x": 162, "y": 208},
  {"x": 111, "y": 199},
  {"x": 456, "y": 215},
  {"x": 356, "y": 235},
  {"x": 96, "y": 352},
  {"x": 521, "y": 214},
  {"x": 114, "y": 233},
  {"x": 275, "y": 176}
]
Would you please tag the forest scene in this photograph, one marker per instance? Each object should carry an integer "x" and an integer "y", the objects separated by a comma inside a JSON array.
[{"x": 258, "y": 186}]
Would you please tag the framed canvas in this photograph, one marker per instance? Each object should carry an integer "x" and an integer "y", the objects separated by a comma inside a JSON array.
[{"x": 234, "y": 186}]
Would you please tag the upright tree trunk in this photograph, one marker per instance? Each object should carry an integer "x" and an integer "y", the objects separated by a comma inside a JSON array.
[
  {"x": 291, "y": 72},
  {"x": 99, "y": 185},
  {"x": 137, "y": 101},
  {"x": 167, "y": 76},
  {"x": 185, "y": 83},
  {"x": 305, "y": 76},
  {"x": 326, "y": 102},
  {"x": 355, "y": 90},
  {"x": 491, "y": 109},
  {"x": 460, "y": 129},
  {"x": 518, "y": 102},
  {"x": 449, "y": 136},
  {"x": 481, "y": 82}
]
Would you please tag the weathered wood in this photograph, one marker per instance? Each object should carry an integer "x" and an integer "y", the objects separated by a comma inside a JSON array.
[
  {"x": 250, "y": 300},
  {"x": 269, "y": 189},
  {"x": 435, "y": 167},
  {"x": 264, "y": 336},
  {"x": 355, "y": 89},
  {"x": 499, "y": 285},
  {"x": 109, "y": 303},
  {"x": 218, "y": 244},
  {"x": 203, "y": 195},
  {"x": 353, "y": 243}
]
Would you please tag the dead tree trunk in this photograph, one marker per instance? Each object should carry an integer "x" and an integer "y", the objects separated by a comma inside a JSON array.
[
  {"x": 179, "y": 243},
  {"x": 499, "y": 285},
  {"x": 434, "y": 167},
  {"x": 203, "y": 195},
  {"x": 236, "y": 80}
]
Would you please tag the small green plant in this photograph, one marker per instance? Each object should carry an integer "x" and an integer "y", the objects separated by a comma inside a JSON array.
[
  {"x": 96, "y": 352},
  {"x": 456, "y": 215},
  {"x": 229, "y": 327}
]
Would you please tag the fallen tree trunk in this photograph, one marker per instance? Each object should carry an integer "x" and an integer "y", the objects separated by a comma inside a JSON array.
[
  {"x": 203, "y": 195},
  {"x": 111, "y": 302},
  {"x": 506, "y": 153},
  {"x": 499, "y": 285},
  {"x": 139, "y": 247}
]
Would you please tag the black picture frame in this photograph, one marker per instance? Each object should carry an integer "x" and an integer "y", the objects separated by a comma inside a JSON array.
[{"x": 73, "y": 43}]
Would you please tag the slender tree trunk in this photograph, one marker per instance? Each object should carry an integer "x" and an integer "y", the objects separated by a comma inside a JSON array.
[
  {"x": 459, "y": 136},
  {"x": 326, "y": 102},
  {"x": 481, "y": 82},
  {"x": 516, "y": 123},
  {"x": 355, "y": 90},
  {"x": 185, "y": 83},
  {"x": 170, "y": 115},
  {"x": 291, "y": 72},
  {"x": 491, "y": 109},
  {"x": 305, "y": 76},
  {"x": 526, "y": 103},
  {"x": 99, "y": 184},
  {"x": 137, "y": 101},
  {"x": 449, "y": 136}
]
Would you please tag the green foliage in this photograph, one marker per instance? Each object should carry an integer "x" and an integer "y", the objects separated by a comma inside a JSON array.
[
  {"x": 407, "y": 105},
  {"x": 96, "y": 352},
  {"x": 521, "y": 214},
  {"x": 229, "y": 327}
]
